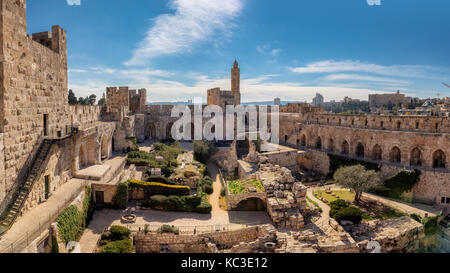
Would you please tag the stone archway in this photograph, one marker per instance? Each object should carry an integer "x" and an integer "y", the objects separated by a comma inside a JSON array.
[
  {"x": 169, "y": 131},
  {"x": 376, "y": 152},
  {"x": 319, "y": 143},
  {"x": 331, "y": 145},
  {"x": 345, "y": 148},
  {"x": 439, "y": 159},
  {"x": 104, "y": 148},
  {"x": 416, "y": 157},
  {"x": 82, "y": 156},
  {"x": 395, "y": 155},
  {"x": 251, "y": 204},
  {"x": 360, "y": 150},
  {"x": 151, "y": 131},
  {"x": 303, "y": 141}
]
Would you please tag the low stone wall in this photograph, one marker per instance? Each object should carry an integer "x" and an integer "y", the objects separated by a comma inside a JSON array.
[
  {"x": 234, "y": 199},
  {"x": 284, "y": 158},
  {"x": 432, "y": 187},
  {"x": 205, "y": 243},
  {"x": 314, "y": 160}
]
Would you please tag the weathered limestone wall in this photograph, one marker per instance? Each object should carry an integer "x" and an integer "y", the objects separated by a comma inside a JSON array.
[
  {"x": 226, "y": 159},
  {"x": 314, "y": 160},
  {"x": 109, "y": 191},
  {"x": 432, "y": 187},
  {"x": 204, "y": 243},
  {"x": 33, "y": 83},
  {"x": 140, "y": 127},
  {"x": 85, "y": 116},
  {"x": 2, "y": 175},
  {"x": 57, "y": 168},
  {"x": 284, "y": 158}
]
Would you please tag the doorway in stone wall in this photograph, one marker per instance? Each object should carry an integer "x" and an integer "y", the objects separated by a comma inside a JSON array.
[
  {"x": 47, "y": 186},
  {"x": 45, "y": 124}
]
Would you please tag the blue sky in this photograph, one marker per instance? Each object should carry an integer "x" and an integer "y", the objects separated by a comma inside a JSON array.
[{"x": 291, "y": 49}]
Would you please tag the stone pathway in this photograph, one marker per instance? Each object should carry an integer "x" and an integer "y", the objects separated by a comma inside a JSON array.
[{"x": 40, "y": 217}]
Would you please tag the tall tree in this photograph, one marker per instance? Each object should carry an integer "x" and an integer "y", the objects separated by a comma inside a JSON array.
[
  {"x": 357, "y": 178},
  {"x": 72, "y": 97},
  {"x": 91, "y": 100}
]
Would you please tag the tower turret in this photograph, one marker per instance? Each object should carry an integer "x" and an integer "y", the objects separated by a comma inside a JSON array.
[{"x": 235, "y": 77}]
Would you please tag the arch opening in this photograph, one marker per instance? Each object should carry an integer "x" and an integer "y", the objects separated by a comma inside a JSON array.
[
  {"x": 345, "y": 148},
  {"x": 416, "y": 157},
  {"x": 395, "y": 155},
  {"x": 439, "y": 159},
  {"x": 360, "y": 150},
  {"x": 251, "y": 204},
  {"x": 376, "y": 152}
]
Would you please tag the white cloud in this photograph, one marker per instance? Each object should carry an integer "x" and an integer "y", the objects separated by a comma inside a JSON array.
[
  {"x": 193, "y": 22},
  {"x": 268, "y": 50},
  {"x": 73, "y": 2},
  {"x": 331, "y": 66},
  {"x": 358, "y": 77}
]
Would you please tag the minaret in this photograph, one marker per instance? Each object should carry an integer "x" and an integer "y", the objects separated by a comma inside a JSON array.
[{"x": 235, "y": 77}]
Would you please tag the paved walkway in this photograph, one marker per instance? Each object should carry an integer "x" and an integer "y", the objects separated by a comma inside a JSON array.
[
  {"x": 324, "y": 222},
  {"x": 40, "y": 217},
  {"x": 185, "y": 220}
]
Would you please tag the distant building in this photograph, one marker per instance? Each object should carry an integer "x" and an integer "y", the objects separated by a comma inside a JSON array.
[
  {"x": 277, "y": 101},
  {"x": 317, "y": 100},
  {"x": 224, "y": 98},
  {"x": 379, "y": 100}
]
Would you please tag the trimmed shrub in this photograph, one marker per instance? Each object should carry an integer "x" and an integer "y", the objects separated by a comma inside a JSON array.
[
  {"x": 122, "y": 246},
  {"x": 160, "y": 179},
  {"x": 156, "y": 188},
  {"x": 117, "y": 233},
  {"x": 416, "y": 217},
  {"x": 192, "y": 203},
  {"x": 168, "y": 229},
  {"x": 352, "y": 214},
  {"x": 120, "y": 200}
]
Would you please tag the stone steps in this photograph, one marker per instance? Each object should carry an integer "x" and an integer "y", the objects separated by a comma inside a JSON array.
[{"x": 13, "y": 212}]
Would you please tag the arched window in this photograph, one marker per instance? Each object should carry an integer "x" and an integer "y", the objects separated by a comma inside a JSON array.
[
  {"x": 416, "y": 157},
  {"x": 395, "y": 155},
  {"x": 439, "y": 159},
  {"x": 376, "y": 152},
  {"x": 331, "y": 145},
  {"x": 303, "y": 141},
  {"x": 319, "y": 143},
  {"x": 344, "y": 148},
  {"x": 360, "y": 150}
]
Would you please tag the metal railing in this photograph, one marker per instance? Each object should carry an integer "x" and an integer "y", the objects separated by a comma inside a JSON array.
[{"x": 38, "y": 228}]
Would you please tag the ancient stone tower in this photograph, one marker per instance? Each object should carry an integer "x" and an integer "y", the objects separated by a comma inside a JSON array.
[{"x": 235, "y": 78}]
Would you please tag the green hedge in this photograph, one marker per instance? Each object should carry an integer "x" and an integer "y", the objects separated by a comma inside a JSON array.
[
  {"x": 341, "y": 211},
  {"x": 122, "y": 246},
  {"x": 339, "y": 161},
  {"x": 156, "y": 188},
  {"x": 430, "y": 225},
  {"x": 401, "y": 182},
  {"x": 168, "y": 229},
  {"x": 120, "y": 200},
  {"x": 192, "y": 203},
  {"x": 71, "y": 222},
  {"x": 203, "y": 150}
]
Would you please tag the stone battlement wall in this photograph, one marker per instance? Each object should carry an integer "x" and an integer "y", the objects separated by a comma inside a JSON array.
[
  {"x": 33, "y": 89},
  {"x": 85, "y": 116}
]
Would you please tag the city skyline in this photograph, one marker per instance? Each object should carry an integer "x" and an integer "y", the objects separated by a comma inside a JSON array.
[{"x": 291, "y": 51}]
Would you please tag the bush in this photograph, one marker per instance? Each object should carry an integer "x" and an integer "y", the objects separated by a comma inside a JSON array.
[
  {"x": 203, "y": 150},
  {"x": 71, "y": 222},
  {"x": 55, "y": 247},
  {"x": 223, "y": 192},
  {"x": 192, "y": 203},
  {"x": 156, "y": 188},
  {"x": 120, "y": 200},
  {"x": 117, "y": 233},
  {"x": 352, "y": 214},
  {"x": 208, "y": 189},
  {"x": 336, "y": 206},
  {"x": 122, "y": 246},
  {"x": 430, "y": 225},
  {"x": 416, "y": 217},
  {"x": 160, "y": 179},
  {"x": 401, "y": 182},
  {"x": 168, "y": 229}
]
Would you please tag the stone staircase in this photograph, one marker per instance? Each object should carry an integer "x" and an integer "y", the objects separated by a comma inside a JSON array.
[{"x": 13, "y": 211}]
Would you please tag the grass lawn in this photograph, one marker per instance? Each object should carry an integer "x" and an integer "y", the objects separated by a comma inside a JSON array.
[
  {"x": 241, "y": 187},
  {"x": 343, "y": 194}
]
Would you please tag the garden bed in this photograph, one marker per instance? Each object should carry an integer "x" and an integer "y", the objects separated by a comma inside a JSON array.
[{"x": 243, "y": 187}]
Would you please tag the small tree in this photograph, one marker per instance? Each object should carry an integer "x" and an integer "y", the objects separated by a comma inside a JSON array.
[
  {"x": 72, "y": 98},
  {"x": 357, "y": 178}
]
